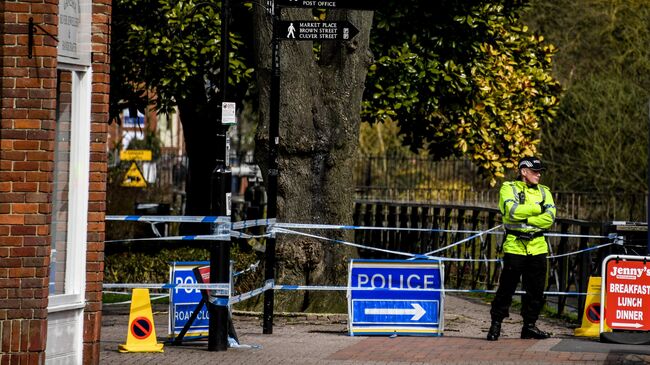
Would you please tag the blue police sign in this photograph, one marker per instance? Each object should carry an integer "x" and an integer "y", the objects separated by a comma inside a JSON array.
[
  {"x": 182, "y": 301},
  {"x": 400, "y": 297}
]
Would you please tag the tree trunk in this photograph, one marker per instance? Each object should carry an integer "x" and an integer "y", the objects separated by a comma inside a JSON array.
[
  {"x": 320, "y": 105},
  {"x": 200, "y": 126}
]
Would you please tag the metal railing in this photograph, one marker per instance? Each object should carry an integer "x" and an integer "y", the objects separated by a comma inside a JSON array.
[{"x": 476, "y": 267}]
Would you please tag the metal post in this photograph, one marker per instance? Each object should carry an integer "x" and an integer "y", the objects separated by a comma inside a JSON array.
[
  {"x": 272, "y": 194},
  {"x": 219, "y": 259},
  {"x": 220, "y": 203},
  {"x": 648, "y": 197}
]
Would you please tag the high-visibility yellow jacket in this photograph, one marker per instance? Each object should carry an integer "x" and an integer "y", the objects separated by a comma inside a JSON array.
[{"x": 522, "y": 213}]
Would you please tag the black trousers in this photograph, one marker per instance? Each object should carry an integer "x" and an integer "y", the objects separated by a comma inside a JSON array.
[{"x": 532, "y": 270}]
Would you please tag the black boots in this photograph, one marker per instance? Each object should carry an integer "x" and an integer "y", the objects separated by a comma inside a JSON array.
[
  {"x": 531, "y": 331},
  {"x": 527, "y": 332},
  {"x": 495, "y": 331}
]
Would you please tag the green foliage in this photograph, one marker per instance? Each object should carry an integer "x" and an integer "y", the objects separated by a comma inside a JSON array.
[
  {"x": 599, "y": 142},
  {"x": 462, "y": 78},
  {"x": 153, "y": 267},
  {"x": 141, "y": 267},
  {"x": 382, "y": 138},
  {"x": 169, "y": 51}
]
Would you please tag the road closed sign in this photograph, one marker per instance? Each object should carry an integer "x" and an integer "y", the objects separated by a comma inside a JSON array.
[
  {"x": 184, "y": 301},
  {"x": 626, "y": 288}
]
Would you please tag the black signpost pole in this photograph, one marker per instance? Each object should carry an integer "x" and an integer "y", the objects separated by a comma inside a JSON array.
[
  {"x": 220, "y": 184},
  {"x": 272, "y": 195},
  {"x": 648, "y": 197}
]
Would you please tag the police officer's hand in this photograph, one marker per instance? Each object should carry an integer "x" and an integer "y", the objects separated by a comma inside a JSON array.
[{"x": 542, "y": 205}]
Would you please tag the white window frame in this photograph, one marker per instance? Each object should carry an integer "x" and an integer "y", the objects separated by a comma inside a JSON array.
[{"x": 77, "y": 224}]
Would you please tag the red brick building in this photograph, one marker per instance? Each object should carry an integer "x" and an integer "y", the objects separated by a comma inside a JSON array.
[{"x": 53, "y": 125}]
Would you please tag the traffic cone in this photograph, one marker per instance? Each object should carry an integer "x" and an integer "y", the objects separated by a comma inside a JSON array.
[
  {"x": 591, "y": 317},
  {"x": 141, "y": 336}
]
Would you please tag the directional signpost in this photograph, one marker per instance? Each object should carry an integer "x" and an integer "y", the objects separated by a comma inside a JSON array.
[
  {"x": 626, "y": 291},
  {"x": 298, "y": 30},
  {"x": 388, "y": 297},
  {"x": 309, "y": 30}
]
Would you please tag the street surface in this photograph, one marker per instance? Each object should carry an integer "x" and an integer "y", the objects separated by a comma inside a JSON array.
[{"x": 323, "y": 339}]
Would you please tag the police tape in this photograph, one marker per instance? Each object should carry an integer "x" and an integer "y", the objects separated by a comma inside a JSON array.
[
  {"x": 154, "y": 296},
  {"x": 253, "y": 293},
  {"x": 346, "y": 243},
  {"x": 253, "y": 223},
  {"x": 220, "y": 298},
  {"x": 480, "y": 234},
  {"x": 275, "y": 227},
  {"x": 585, "y": 250},
  {"x": 428, "y": 255},
  {"x": 251, "y": 267},
  {"x": 192, "y": 219},
  {"x": 220, "y": 288},
  {"x": 273, "y": 223},
  {"x": 226, "y": 237},
  {"x": 491, "y": 231},
  {"x": 203, "y": 237},
  {"x": 369, "y": 228},
  {"x": 169, "y": 218},
  {"x": 236, "y": 234},
  {"x": 460, "y": 259},
  {"x": 444, "y": 290}
]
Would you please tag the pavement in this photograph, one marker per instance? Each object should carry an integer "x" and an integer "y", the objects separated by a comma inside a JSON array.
[{"x": 324, "y": 339}]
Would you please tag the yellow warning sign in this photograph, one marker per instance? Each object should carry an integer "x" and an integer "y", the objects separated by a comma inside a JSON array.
[
  {"x": 141, "y": 336},
  {"x": 139, "y": 155},
  {"x": 591, "y": 318},
  {"x": 134, "y": 178}
]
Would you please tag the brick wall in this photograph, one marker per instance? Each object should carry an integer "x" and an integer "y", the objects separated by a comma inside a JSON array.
[
  {"x": 98, "y": 166},
  {"x": 27, "y": 122},
  {"x": 28, "y": 97}
]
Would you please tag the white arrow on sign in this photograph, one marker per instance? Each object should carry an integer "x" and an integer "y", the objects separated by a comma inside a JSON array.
[
  {"x": 417, "y": 312},
  {"x": 629, "y": 325}
]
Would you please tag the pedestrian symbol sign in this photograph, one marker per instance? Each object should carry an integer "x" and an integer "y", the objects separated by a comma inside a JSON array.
[
  {"x": 134, "y": 178},
  {"x": 310, "y": 30}
]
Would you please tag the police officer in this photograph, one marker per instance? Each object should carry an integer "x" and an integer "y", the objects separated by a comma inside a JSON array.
[{"x": 528, "y": 210}]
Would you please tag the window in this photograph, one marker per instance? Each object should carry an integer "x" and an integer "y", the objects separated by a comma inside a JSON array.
[
  {"x": 61, "y": 187},
  {"x": 70, "y": 188}
]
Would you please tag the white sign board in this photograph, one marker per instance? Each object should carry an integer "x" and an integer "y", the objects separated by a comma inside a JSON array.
[
  {"x": 74, "y": 32},
  {"x": 228, "y": 116}
]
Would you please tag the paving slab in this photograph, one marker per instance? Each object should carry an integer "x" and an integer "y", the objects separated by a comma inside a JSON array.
[{"x": 324, "y": 339}]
